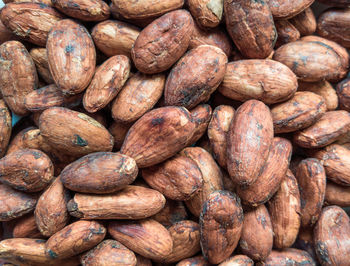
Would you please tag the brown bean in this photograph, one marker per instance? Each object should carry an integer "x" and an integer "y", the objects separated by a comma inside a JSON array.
[
  {"x": 26, "y": 170},
  {"x": 324, "y": 89},
  {"x": 71, "y": 55},
  {"x": 337, "y": 195},
  {"x": 74, "y": 133},
  {"x": 74, "y": 239},
  {"x": 100, "y": 173},
  {"x": 221, "y": 223},
  {"x": 140, "y": 237},
  {"x": 257, "y": 234},
  {"x": 331, "y": 236},
  {"x": 51, "y": 213},
  {"x": 217, "y": 132},
  {"x": 5, "y": 127},
  {"x": 216, "y": 37},
  {"x": 288, "y": 256},
  {"x": 305, "y": 22},
  {"x": 18, "y": 77},
  {"x": 286, "y": 32},
  {"x": 44, "y": 98},
  {"x": 336, "y": 162},
  {"x": 284, "y": 209},
  {"x": 306, "y": 59},
  {"x": 249, "y": 140},
  {"x": 271, "y": 176},
  {"x": 178, "y": 178},
  {"x": 14, "y": 203},
  {"x": 162, "y": 42},
  {"x": 289, "y": 8},
  {"x": 85, "y": 10},
  {"x": 211, "y": 174},
  {"x": 185, "y": 235},
  {"x": 133, "y": 202},
  {"x": 195, "y": 76},
  {"x": 251, "y": 27},
  {"x": 257, "y": 79},
  {"x": 158, "y": 135},
  {"x": 333, "y": 24},
  {"x": 311, "y": 178},
  {"x": 325, "y": 131},
  {"x": 109, "y": 252},
  {"x": 139, "y": 95},
  {"x": 30, "y": 21}
]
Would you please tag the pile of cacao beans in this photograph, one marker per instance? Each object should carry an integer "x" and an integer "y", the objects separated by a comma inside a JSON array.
[{"x": 172, "y": 132}]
